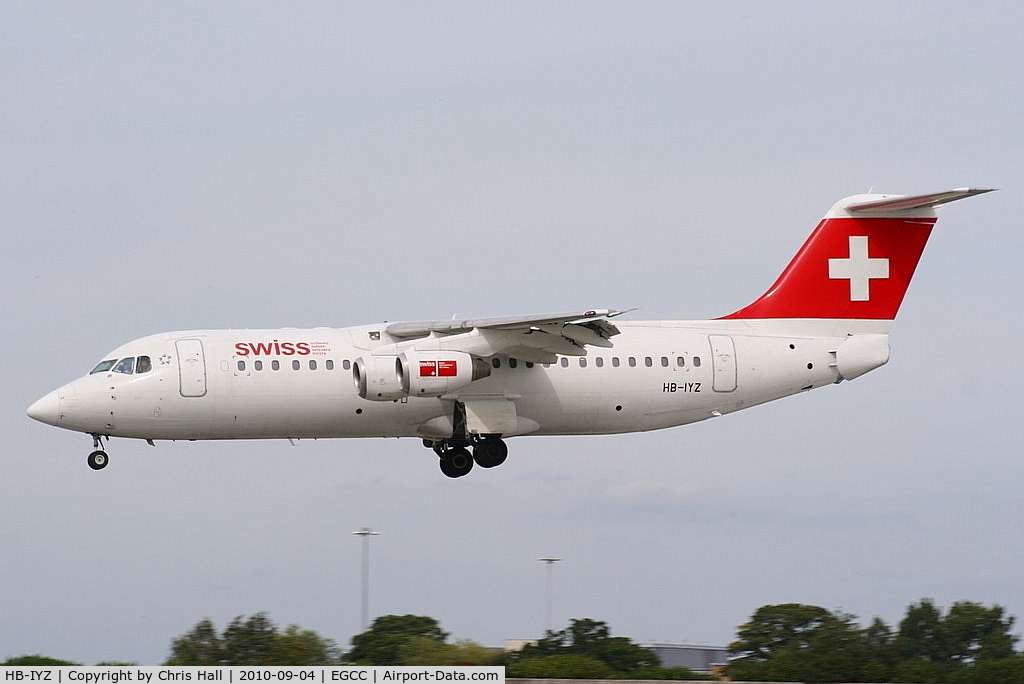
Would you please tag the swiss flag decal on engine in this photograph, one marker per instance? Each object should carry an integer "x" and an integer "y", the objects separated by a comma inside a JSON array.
[{"x": 439, "y": 369}]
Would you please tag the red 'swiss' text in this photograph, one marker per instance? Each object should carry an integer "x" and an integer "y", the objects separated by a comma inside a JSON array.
[{"x": 274, "y": 348}]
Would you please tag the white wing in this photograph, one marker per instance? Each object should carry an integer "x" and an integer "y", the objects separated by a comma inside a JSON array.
[{"x": 534, "y": 337}]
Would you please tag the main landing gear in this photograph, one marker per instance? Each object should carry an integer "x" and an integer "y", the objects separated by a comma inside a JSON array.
[
  {"x": 455, "y": 459},
  {"x": 98, "y": 459}
]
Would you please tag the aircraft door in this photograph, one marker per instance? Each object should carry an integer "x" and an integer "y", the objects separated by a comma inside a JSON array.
[
  {"x": 191, "y": 368},
  {"x": 723, "y": 362}
]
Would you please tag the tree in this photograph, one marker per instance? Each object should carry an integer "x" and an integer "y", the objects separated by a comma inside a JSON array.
[
  {"x": 252, "y": 641},
  {"x": 200, "y": 646},
  {"x": 298, "y": 646},
  {"x": 773, "y": 628},
  {"x": 770, "y": 644},
  {"x": 592, "y": 639},
  {"x": 797, "y": 642},
  {"x": 920, "y": 634},
  {"x": 382, "y": 644},
  {"x": 974, "y": 633},
  {"x": 560, "y": 666},
  {"x": 426, "y": 651},
  {"x": 882, "y": 658},
  {"x": 35, "y": 660},
  {"x": 934, "y": 647}
]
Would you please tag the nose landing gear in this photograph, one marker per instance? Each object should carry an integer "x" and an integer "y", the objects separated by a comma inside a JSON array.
[{"x": 98, "y": 459}]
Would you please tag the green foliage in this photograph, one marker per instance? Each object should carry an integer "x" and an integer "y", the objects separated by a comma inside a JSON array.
[
  {"x": 200, "y": 646},
  {"x": 427, "y": 651},
  {"x": 35, "y": 660},
  {"x": 976, "y": 634},
  {"x": 382, "y": 644},
  {"x": 252, "y": 641},
  {"x": 590, "y": 639},
  {"x": 560, "y": 666},
  {"x": 794, "y": 642},
  {"x": 1005, "y": 671},
  {"x": 664, "y": 673}
]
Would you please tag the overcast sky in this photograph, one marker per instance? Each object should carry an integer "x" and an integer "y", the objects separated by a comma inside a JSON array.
[{"x": 204, "y": 165}]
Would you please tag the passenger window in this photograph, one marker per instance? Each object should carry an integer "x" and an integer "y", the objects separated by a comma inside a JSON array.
[
  {"x": 143, "y": 365},
  {"x": 258, "y": 365},
  {"x": 103, "y": 366},
  {"x": 583, "y": 362},
  {"x": 565, "y": 362},
  {"x": 615, "y": 361},
  {"x": 296, "y": 365},
  {"x": 696, "y": 361},
  {"x": 496, "y": 362},
  {"x": 632, "y": 362},
  {"x": 330, "y": 364},
  {"x": 125, "y": 365},
  {"x": 529, "y": 364},
  {"x": 512, "y": 363},
  {"x": 241, "y": 365},
  {"x": 680, "y": 361},
  {"x": 664, "y": 362},
  {"x": 312, "y": 364},
  {"x": 648, "y": 361},
  {"x": 275, "y": 364},
  {"x": 344, "y": 364}
]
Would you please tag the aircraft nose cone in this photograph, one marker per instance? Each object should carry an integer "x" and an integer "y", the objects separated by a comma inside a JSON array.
[{"x": 47, "y": 409}]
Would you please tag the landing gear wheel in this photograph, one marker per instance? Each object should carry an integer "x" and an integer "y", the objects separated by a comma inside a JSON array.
[
  {"x": 98, "y": 460},
  {"x": 456, "y": 462},
  {"x": 490, "y": 452}
]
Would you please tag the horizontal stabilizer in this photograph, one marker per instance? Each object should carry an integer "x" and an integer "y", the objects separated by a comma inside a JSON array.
[{"x": 905, "y": 203}]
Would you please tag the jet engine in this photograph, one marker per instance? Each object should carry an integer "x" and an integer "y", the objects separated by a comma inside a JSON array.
[
  {"x": 378, "y": 378},
  {"x": 433, "y": 374}
]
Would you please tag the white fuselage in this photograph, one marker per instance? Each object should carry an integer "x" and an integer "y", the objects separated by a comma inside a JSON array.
[{"x": 297, "y": 383}]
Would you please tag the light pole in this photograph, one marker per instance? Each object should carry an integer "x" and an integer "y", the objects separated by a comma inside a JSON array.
[
  {"x": 366, "y": 533},
  {"x": 547, "y": 591}
]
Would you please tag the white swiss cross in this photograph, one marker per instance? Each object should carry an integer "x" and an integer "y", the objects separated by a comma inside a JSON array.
[{"x": 858, "y": 268}]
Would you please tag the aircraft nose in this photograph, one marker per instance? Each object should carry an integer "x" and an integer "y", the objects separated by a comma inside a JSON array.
[{"x": 47, "y": 409}]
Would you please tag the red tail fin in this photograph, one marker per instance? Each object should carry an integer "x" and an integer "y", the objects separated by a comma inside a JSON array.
[{"x": 858, "y": 262}]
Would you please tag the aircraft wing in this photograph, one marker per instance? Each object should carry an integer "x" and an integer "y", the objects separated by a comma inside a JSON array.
[{"x": 533, "y": 337}]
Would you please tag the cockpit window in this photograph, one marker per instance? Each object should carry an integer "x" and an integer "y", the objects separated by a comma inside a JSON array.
[
  {"x": 125, "y": 365},
  {"x": 143, "y": 365},
  {"x": 103, "y": 366}
]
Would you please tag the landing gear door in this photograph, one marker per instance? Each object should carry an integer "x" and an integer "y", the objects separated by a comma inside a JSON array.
[
  {"x": 191, "y": 368},
  {"x": 723, "y": 360},
  {"x": 494, "y": 415}
]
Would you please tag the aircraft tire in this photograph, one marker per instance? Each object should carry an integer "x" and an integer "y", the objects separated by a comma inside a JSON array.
[
  {"x": 490, "y": 453},
  {"x": 98, "y": 460},
  {"x": 456, "y": 462}
]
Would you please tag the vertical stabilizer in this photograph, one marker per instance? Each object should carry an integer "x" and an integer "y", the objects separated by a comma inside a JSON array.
[{"x": 858, "y": 262}]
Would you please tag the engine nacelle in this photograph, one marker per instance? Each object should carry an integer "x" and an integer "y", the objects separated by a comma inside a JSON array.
[
  {"x": 433, "y": 374},
  {"x": 378, "y": 378}
]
